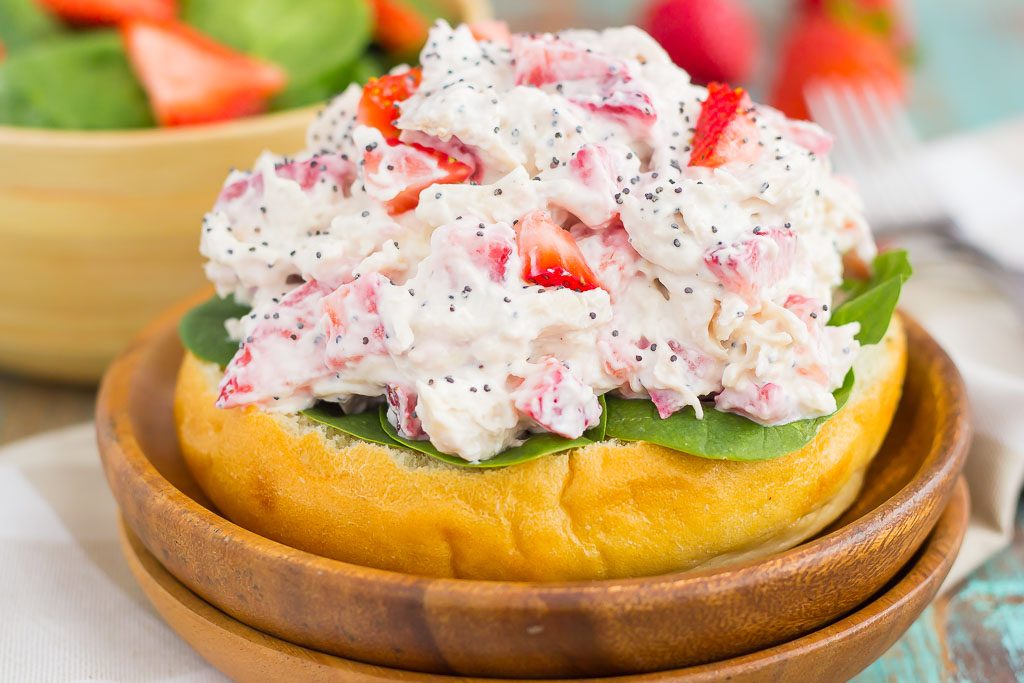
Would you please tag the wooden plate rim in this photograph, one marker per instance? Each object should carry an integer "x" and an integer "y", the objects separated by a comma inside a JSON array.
[{"x": 924, "y": 576}]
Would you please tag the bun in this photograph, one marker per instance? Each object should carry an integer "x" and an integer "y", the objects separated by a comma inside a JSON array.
[{"x": 610, "y": 510}]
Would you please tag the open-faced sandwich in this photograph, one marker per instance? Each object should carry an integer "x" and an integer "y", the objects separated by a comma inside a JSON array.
[{"x": 541, "y": 309}]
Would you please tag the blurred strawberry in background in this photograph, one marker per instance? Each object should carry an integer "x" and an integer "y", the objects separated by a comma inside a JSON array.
[
  {"x": 853, "y": 41},
  {"x": 713, "y": 40}
]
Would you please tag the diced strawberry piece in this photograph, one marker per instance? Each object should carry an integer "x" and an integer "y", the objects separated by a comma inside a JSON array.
[
  {"x": 557, "y": 400},
  {"x": 453, "y": 147},
  {"x": 614, "y": 258},
  {"x": 746, "y": 268},
  {"x": 491, "y": 30},
  {"x": 353, "y": 325},
  {"x": 724, "y": 132},
  {"x": 605, "y": 84},
  {"x": 192, "y": 79},
  {"x": 397, "y": 27},
  {"x": 378, "y": 106},
  {"x": 402, "y": 411},
  {"x": 332, "y": 168},
  {"x": 550, "y": 255},
  {"x": 667, "y": 401},
  {"x": 764, "y": 403},
  {"x": 396, "y": 173},
  {"x": 111, "y": 11},
  {"x": 805, "y": 308},
  {"x": 286, "y": 334}
]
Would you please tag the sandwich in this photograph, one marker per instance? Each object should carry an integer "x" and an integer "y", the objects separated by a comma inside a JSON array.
[{"x": 541, "y": 308}]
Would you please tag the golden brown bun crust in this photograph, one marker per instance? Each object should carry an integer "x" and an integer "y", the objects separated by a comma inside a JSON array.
[{"x": 610, "y": 510}]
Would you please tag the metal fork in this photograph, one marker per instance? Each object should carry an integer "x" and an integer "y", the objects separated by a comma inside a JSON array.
[{"x": 877, "y": 146}]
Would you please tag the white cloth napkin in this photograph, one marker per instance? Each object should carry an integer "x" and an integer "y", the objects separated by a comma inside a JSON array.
[{"x": 70, "y": 611}]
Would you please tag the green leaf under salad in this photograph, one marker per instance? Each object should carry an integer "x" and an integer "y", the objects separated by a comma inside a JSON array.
[
  {"x": 872, "y": 302},
  {"x": 23, "y": 22},
  {"x": 202, "y": 329},
  {"x": 315, "y": 41},
  {"x": 720, "y": 436},
  {"x": 75, "y": 81},
  {"x": 366, "y": 426}
]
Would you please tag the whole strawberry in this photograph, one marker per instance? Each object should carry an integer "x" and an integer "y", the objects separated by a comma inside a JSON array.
[
  {"x": 713, "y": 40},
  {"x": 820, "y": 48}
]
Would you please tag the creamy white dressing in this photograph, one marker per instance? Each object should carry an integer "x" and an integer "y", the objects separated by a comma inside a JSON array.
[{"x": 714, "y": 282}]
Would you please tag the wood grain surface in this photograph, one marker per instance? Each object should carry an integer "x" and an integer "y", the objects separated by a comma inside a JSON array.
[
  {"x": 594, "y": 628},
  {"x": 841, "y": 649}
]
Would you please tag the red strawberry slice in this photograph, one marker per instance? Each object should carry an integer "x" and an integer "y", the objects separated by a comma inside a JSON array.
[
  {"x": 396, "y": 173},
  {"x": 378, "y": 107},
  {"x": 724, "y": 131},
  {"x": 551, "y": 257},
  {"x": 111, "y": 11},
  {"x": 398, "y": 27},
  {"x": 193, "y": 79}
]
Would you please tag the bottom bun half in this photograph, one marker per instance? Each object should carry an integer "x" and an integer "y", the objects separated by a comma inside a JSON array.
[{"x": 610, "y": 510}]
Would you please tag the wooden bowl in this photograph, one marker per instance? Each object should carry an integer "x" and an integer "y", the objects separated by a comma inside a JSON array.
[
  {"x": 100, "y": 230},
  {"x": 836, "y": 652},
  {"x": 526, "y": 629}
]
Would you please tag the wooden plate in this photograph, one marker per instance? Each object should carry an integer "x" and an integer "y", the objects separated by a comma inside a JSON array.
[
  {"x": 837, "y": 652},
  {"x": 523, "y": 629}
]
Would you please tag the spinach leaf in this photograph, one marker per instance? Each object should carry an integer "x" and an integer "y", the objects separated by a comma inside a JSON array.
[
  {"x": 202, "y": 329},
  {"x": 75, "y": 81},
  {"x": 366, "y": 426},
  {"x": 322, "y": 89},
  {"x": 23, "y": 22},
  {"x": 721, "y": 436},
  {"x": 873, "y": 301},
  {"x": 315, "y": 41}
]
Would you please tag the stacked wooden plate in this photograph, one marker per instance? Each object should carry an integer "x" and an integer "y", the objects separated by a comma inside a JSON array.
[{"x": 259, "y": 610}]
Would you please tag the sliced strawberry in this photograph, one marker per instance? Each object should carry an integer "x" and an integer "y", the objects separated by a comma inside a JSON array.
[
  {"x": 395, "y": 173},
  {"x": 398, "y": 27},
  {"x": 747, "y": 268},
  {"x": 353, "y": 326},
  {"x": 111, "y": 11},
  {"x": 379, "y": 105},
  {"x": 491, "y": 30},
  {"x": 402, "y": 411},
  {"x": 724, "y": 131},
  {"x": 287, "y": 333},
  {"x": 551, "y": 257},
  {"x": 193, "y": 79},
  {"x": 553, "y": 397}
]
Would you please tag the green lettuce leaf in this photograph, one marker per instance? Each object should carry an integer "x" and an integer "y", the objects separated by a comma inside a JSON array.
[
  {"x": 366, "y": 426},
  {"x": 314, "y": 41},
  {"x": 79, "y": 81},
  {"x": 203, "y": 333},
  {"x": 720, "y": 436},
  {"x": 872, "y": 302}
]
